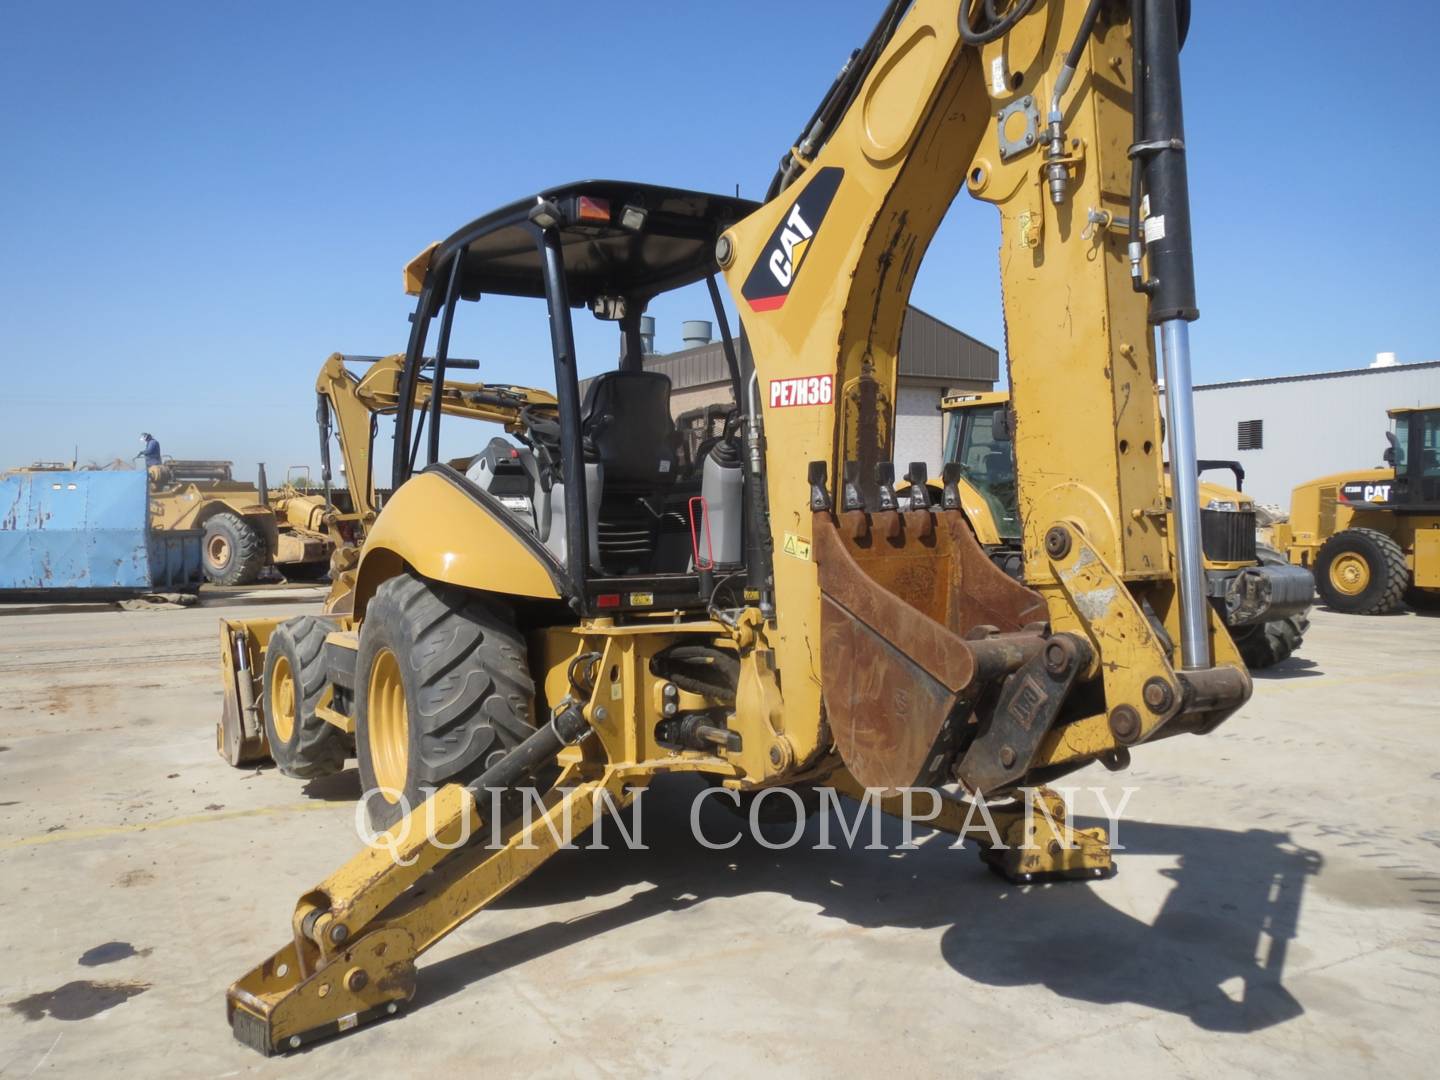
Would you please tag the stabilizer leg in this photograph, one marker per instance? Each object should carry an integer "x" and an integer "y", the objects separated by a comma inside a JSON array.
[
  {"x": 1036, "y": 841},
  {"x": 1041, "y": 845},
  {"x": 357, "y": 936}
]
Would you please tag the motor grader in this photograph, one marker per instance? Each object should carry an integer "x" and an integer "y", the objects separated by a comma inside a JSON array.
[
  {"x": 774, "y": 614},
  {"x": 348, "y": 408},
  {"x": 1373, "y": 535},
  {"x": 1263, "y": 599}
]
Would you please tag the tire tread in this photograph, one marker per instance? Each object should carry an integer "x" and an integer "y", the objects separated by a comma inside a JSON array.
[
  {"x": 320, "y": 748},
  {"x": 1395, "y": 574},
  {"x": 249, "y": 557}
]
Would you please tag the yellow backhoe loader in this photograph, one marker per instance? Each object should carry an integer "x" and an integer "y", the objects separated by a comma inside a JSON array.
[
  {"x": 1373, "y": 535},
  {"x": 606, "y": 611},
  {"x": 348, "y": 408},
  {"x": 1265, "y": 610}
]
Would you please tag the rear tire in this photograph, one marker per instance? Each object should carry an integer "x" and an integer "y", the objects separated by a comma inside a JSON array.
[
  {"x": 1361, "y": 572},
  {"x": 303, "y": 745},
  {"x": 234, "y": 552},
  {"x": 442, "y": 690}
]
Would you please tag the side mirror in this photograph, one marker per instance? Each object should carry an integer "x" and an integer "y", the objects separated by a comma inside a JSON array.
[
  {"x": 1389, "y": 456},
  {"x": 1003, "y": 428}
]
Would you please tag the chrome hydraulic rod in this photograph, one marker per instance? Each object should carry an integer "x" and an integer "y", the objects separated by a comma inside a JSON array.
[{"x": 1185, "y": 495}]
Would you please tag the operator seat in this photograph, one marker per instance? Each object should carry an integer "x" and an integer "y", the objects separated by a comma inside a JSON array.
[
  {"x": 626, "y": 430},
  {"x": 625, "y": 425},
  {"x": 999, "y": 466}
]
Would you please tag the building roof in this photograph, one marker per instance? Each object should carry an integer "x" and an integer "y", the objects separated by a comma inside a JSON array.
[
  {"x": 929, "y": 349},
  {"x": 1316, "y": 375}
]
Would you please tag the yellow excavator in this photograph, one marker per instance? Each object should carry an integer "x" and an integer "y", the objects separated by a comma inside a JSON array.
[
  {"x": 347, "y": 412},
  {"x": 1266, "y": 611},
  {"x": 772, "y": 615}
]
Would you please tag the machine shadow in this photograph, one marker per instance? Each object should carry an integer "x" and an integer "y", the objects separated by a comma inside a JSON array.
[
  {"x": 1214, "y": 953},
  {"x": 343, "y": 786},
  {"x": 1296, "y": 667}
]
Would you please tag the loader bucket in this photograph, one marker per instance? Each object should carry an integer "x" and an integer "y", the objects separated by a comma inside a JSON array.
[
  {"x": 916, "y": 625},
  {"x": 240, "y": 734}
]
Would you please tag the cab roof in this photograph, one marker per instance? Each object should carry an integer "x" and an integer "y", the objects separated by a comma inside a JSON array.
[
  {"x": 970, "y": 399},
  {"x": 1406, "y": 410},
  {"x": 619, "y": 238}
]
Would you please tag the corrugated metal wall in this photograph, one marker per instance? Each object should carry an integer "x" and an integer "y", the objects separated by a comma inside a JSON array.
[
  {"x": 1313, "y": 425},
  {"x": 931, "y": 349}
]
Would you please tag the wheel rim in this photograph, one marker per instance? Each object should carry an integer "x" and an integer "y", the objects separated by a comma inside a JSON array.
[
  {"x": 218, "y": 550},
  {"x": 1350, "y": 574},
  {"x": 388, "y": 726},
  {"x": 282, "y": 700}
]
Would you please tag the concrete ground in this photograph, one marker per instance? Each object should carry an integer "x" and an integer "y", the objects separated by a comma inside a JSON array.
[{"x": 1277, "y": 908}]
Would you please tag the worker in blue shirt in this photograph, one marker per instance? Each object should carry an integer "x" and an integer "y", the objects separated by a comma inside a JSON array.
[{"x": 151, "y": 453}]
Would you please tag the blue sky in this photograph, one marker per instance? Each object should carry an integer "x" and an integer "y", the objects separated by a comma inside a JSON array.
[{"x": 199, "y": 202}]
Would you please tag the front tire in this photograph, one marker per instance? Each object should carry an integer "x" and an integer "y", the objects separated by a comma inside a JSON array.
[
  {"x": 303, "y": 745},
  {"x": 1361, "y": 572},
  {"x": 234, "y": 553},
  {"x": 442, "y": 689}
]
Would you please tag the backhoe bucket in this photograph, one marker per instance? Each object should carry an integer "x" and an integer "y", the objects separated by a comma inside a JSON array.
[{"x": 916, "y": 624}]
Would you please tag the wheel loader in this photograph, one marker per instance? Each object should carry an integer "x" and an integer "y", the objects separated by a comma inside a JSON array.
[
  {"x": 1373, "y": 535},
  {"x": 1264, "y": 609},
  {"x": 348, "y": 407},
  {"x": 600, "y": 611}
]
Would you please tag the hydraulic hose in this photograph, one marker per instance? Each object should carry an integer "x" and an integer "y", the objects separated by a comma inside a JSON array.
[
  {"x": 996, "y": 28},
  {"x": 1057, "y": 175},
  {"x": 838, "y": 98},
  {"x": 1137, "y": 136}
]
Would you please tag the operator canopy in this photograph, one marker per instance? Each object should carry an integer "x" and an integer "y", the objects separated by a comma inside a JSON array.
[{"x": 618, "y": 239}]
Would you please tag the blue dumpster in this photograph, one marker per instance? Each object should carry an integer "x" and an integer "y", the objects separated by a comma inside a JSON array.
[{"x": 89, "y": 531}]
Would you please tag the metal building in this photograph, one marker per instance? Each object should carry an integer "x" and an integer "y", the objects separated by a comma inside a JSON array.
[
  {"x": 1295, "y": 428},
  {"x": 935, "y": 359}
]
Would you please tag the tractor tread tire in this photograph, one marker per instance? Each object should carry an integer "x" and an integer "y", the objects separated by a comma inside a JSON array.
[
  {"x": 1389, "y": 576},
  {"x": 317, "y": 747},
  {"x": 247, "y": 547},
  {"x": 1272, "y": 643},
  {"x": 468, "y": 689}
]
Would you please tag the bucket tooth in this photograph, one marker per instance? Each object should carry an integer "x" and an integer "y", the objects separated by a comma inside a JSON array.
[
  {"x": 852, "y": 499},
  {"x": 919, "y": 478},
  {"x": 950, "y": 486},
  {"x": 819, "y": 486},
  {"x": 885, "y": 487}
]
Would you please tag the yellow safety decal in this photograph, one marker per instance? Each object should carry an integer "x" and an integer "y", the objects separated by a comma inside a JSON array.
[
  {"x": 797, "y": 546},
  {"x": 642, "y": 599}
]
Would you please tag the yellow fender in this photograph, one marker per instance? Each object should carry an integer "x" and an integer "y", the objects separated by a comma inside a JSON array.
[{"x": 448, "y": 531}]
